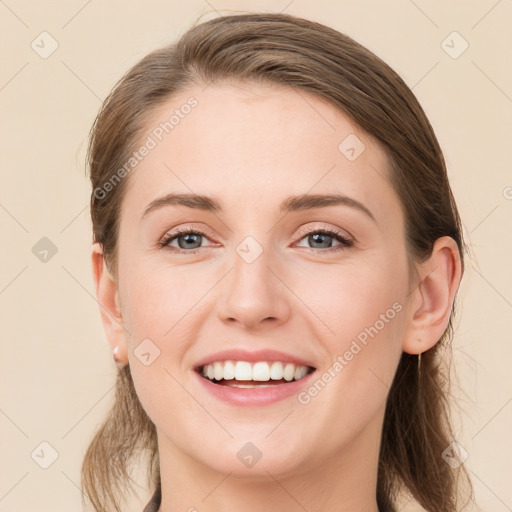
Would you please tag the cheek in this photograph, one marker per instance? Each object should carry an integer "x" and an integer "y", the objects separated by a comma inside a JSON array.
[
  {"x": 157, "y": 300},
  {"x": 360, "y": 313},
  {"x": 351, "y": 298},
  {"x": 162, "y": 305}
]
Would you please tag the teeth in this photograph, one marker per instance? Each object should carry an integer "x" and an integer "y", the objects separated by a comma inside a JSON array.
[
  {"x": 218, "y": 371},
  {"x": 261, "y": 371},
  {"x": 243, "y": 371},
  {"x": 289, "y": 372},
  {"x": 276, "y": 371},
  {"x": 298, "y": 373},
  {"x": 229, "y": 370}
]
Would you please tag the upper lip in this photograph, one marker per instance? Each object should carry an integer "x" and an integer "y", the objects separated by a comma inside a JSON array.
[{"x": 252, "y": 356}]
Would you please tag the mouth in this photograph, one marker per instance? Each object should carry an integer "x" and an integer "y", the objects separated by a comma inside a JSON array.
[{"x": 250, "y": 375}]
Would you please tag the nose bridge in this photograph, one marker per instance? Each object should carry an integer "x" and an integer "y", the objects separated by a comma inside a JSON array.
[{"x": 254, "y": 292}]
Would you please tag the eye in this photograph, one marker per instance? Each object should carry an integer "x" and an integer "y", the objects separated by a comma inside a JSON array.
[
  {"x": 186, "y": 239},
  {"x": 324, "y": 238},
  {"x": 190, "y": 240}
]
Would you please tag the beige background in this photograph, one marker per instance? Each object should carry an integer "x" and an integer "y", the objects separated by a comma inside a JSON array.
[{"x": 57, "y": 374}]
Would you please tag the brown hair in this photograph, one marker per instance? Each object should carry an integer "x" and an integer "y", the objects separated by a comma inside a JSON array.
[{"x": 294, "y": 52}]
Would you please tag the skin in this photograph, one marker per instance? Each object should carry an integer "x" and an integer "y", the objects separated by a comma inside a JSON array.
[{"x": 250, "y": 147}]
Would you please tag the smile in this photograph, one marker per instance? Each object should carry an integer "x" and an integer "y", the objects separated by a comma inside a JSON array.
[{"x": 243, "y": 374}]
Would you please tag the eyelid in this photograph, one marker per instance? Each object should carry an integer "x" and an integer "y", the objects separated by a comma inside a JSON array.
[{"x": 338, "y": 231}]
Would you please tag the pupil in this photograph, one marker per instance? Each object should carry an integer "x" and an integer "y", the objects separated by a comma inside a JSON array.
[
  {"x": 187, "y": 240},
  {"x": 321, "y": 235}
]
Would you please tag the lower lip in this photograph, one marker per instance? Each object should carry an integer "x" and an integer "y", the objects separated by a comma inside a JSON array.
[{"x": 256, "y": 395}]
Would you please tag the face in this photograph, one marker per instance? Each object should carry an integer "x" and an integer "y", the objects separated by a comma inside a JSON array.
[{"x": 323, "y": 283}]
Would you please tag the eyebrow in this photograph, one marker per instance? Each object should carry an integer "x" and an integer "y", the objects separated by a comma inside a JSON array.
[{"x": 290, "y": 204}]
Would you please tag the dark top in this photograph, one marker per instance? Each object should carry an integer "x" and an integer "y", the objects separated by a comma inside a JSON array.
[{"x": 155, "y": 501}]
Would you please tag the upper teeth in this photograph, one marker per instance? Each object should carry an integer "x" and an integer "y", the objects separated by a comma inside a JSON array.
[{"x": 260, "y": 371}]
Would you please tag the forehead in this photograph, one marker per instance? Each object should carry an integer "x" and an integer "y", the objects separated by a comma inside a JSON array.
[{"x": 263, "y": 142}]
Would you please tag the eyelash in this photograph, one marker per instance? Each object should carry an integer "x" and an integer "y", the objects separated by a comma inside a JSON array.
[{"x": 345, "y": 242}]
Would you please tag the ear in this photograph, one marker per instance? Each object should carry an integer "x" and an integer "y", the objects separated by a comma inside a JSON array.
[
  {"x": 107, "y": 295},
  {"x": 432, "y": 298}
]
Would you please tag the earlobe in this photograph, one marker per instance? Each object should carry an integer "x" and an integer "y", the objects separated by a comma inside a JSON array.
[
  {"x": 107, "y": 295},
  {"x": 432, "y": 299}
]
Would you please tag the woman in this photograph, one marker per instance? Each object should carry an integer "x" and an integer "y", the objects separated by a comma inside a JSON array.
[{"x": 276, "y": 255}]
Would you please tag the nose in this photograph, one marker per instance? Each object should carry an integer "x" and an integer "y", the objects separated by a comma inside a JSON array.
[{"x": 254, "y": 295}]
